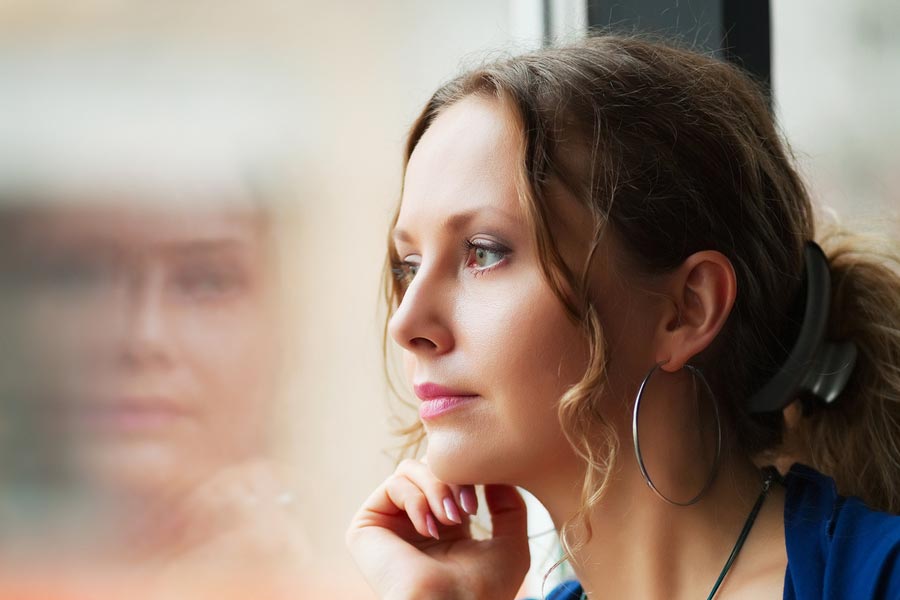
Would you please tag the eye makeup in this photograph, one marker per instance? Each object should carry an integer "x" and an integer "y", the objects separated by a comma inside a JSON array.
[
  {"x": 404, "y": 271},
  {"x": 483, "y": 255}
]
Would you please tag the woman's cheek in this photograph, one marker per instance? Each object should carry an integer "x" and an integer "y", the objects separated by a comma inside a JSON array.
[{"x": 409, "y": 366}]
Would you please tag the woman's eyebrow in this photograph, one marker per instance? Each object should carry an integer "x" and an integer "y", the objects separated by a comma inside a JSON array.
[
  {"x": 456, "y": 221},
  {"x": 204, "y": 247}
]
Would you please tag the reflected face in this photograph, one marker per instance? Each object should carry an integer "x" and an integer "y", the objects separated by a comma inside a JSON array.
[
  {"x": 488, "y": 346},
  {"x": 154, "y": 336}
]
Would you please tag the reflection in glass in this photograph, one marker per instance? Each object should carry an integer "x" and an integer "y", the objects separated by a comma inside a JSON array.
[{"x": 141, "y": 319}]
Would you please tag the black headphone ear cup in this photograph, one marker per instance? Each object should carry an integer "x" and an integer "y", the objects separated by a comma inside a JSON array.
[{"x": 814, "y": 366}]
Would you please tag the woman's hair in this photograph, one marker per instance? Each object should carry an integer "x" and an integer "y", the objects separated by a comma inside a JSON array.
[{"x": 677, "y": 152}]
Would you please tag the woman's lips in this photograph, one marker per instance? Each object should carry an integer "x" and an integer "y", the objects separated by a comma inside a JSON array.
[
  {"x": 131, "y": 415},
  {"x": 438, "y": 400}
]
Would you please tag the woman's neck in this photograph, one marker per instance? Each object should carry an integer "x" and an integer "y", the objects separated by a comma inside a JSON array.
[{"x": 643, "y": 547}]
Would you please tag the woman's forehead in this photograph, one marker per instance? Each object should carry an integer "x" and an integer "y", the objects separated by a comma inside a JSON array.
[
  {"x": 467, "y": 159},
  {"x": 470, "y": 160},
  {"x": 142, "y": 227}
]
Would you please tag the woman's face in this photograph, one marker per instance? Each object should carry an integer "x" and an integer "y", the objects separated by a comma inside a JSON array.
[
  {"x": 488, "y": 346},
  {"x": 152, "y": 337}
]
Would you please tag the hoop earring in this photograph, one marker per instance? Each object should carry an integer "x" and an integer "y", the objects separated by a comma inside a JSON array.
[{"x": 637, "y": 445}]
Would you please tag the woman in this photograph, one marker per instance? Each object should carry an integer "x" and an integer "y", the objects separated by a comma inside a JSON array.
[
  {"x": 150, "y": 347},
  {"x": 607, "y": 293}
]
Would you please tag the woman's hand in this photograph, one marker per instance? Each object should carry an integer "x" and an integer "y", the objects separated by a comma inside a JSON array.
[
  {"x": 411, "y": 539},
  {"x": 238, "y": 534},
  {"x": 242, "y": 520}
]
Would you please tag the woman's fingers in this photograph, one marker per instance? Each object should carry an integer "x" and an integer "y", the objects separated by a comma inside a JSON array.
[
  {"x": 508, "y": 514},
  {"x": 409, "y": 498},
  {"x": 468, "y": 500},
  {"x": 440, "y": 496},
  {"x": 465, "y": 497},
  {"x": 393, "y": 535},
  {"x": 429, "y": 503}
]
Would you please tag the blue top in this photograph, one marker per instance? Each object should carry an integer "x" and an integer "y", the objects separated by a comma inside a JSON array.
[{"x": 836, "y": 547}]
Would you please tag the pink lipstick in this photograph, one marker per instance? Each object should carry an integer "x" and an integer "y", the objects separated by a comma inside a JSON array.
[
  {"x": 438, "y": 400},
  {"x": 131, "y": 415}
]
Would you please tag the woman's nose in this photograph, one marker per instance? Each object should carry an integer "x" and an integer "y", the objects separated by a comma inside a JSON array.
[
  {"x": 146, "y": 335},
  {"x": 422, "y": 324}
]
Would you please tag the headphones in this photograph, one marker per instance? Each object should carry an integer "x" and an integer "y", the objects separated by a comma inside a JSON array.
[{"x": 815, "y": 366}]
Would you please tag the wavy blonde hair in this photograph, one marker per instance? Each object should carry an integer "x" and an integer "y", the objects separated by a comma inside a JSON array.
[{"x": 676, "y": 152}]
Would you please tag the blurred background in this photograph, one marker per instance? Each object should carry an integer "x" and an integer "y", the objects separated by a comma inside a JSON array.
[{"x": 194, "y": 202}]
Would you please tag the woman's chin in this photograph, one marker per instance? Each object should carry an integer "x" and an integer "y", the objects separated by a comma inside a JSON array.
[
  {"x": 148, "y": 470},
  {"x": 459, "y": 463}
]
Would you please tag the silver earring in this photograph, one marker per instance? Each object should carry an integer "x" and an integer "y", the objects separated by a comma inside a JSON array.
[{"x": 637, "y": 445}]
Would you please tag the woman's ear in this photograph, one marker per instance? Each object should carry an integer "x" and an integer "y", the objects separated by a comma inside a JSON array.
[{"x": 702, "y": 292}]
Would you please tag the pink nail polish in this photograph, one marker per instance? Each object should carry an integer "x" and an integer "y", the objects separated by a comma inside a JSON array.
[
  {"x": 451, "y": 511},
  {"x": 431, "y": 525},
  {"x": 469, "y": 500}
]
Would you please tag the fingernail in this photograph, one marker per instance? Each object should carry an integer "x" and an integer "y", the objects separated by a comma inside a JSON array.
[
  {"x": 451, "y": 511},
  {"x": 469, "y": 500},
  {"x": 431, "y": 525}
]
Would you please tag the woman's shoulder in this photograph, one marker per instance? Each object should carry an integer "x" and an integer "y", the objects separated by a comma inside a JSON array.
[{"x": 837, "y": 547}]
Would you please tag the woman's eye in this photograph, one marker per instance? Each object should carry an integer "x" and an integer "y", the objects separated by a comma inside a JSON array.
[
  {"x": 405, "y": 270},
  {"x": 207, "y": 282},
  {"x": 73, "y": 274},
  {"x": 483, "y": 255}
]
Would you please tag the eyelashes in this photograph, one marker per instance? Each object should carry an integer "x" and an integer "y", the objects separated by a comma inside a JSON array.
[
  {"x": 481, "y": 257},
  {"x": 484, "y": 255},
  {"x": 404, "y": 272}
]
